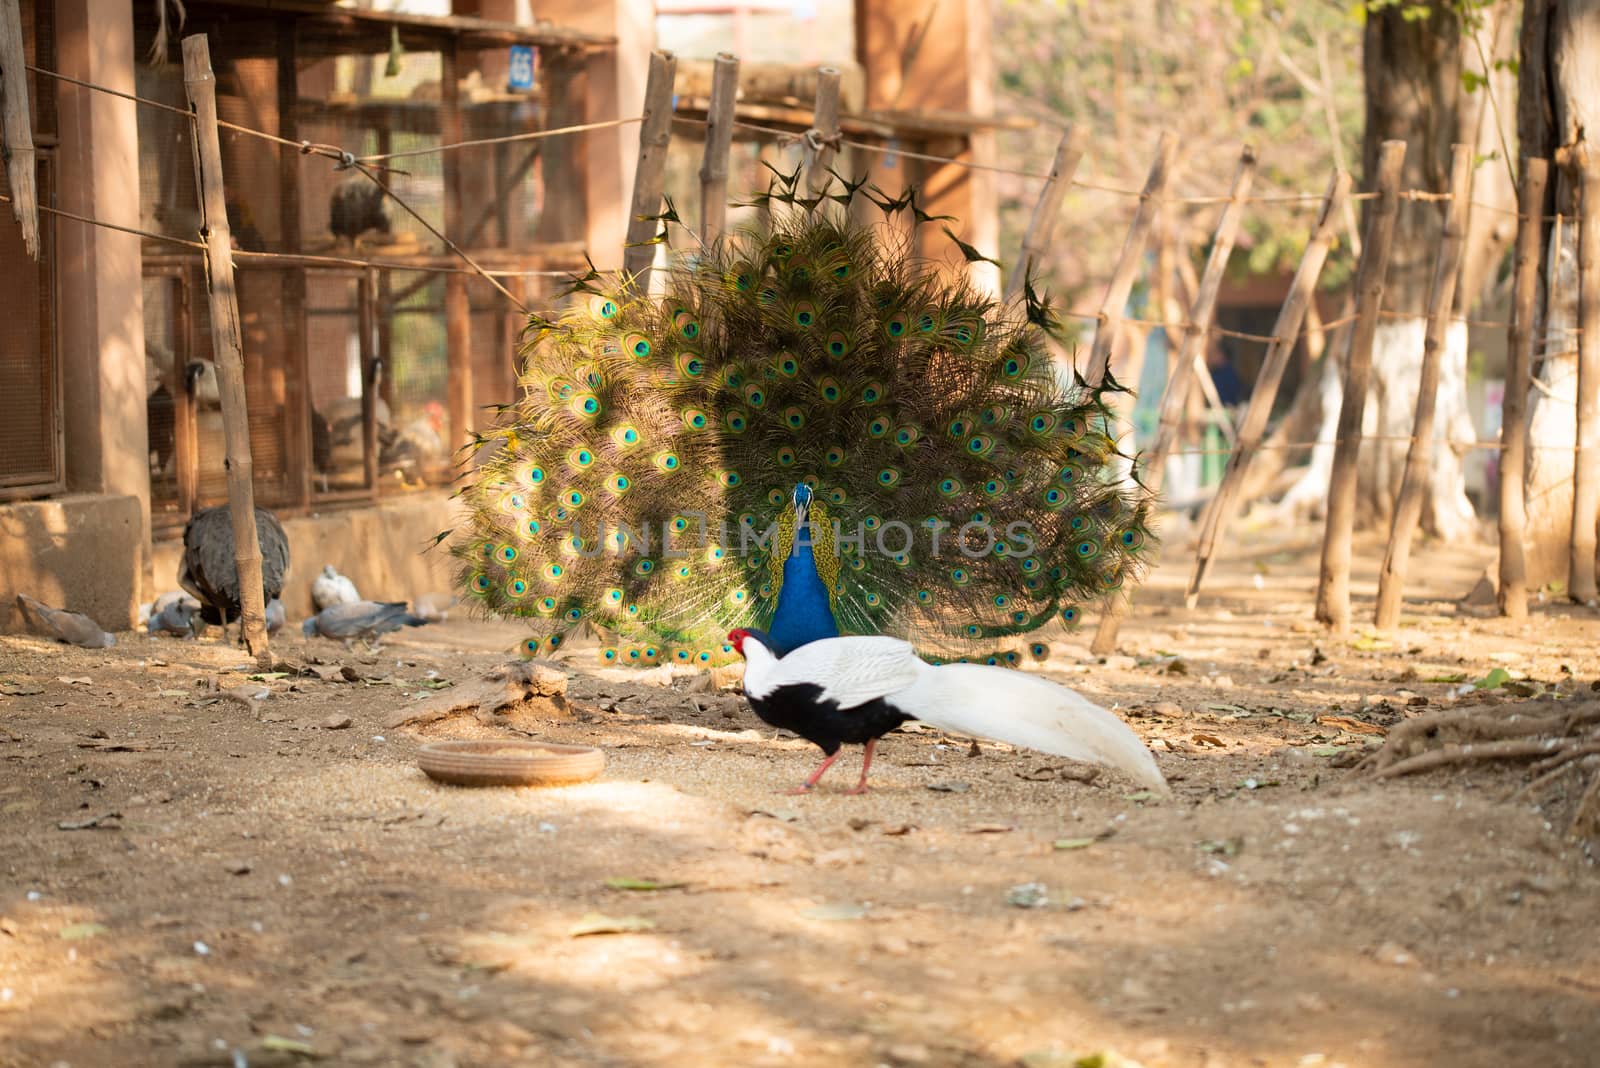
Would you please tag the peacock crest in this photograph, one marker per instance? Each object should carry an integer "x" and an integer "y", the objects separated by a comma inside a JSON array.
[{"x": 960, "y": 492}]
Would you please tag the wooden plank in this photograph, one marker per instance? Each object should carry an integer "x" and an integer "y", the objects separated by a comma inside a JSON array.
[
  {"x": 1176, "y": 397},
  {"x": 822, "y": 140},
  {"x": 1286, "y": 331},
  {"x": 1419, "y": 455},
  {"x": 562, "y": 158},
  {"x": 17, "y": 121},
  {"x": 1513, "y": 592},
  {"x": 719, "y": 144},
  {"x": 1585, "y": 167},
  {"x": 1047, "y": 211},
  {"x": 200, "y": 84},
  {"x": 1333, "y": 579},
  {"x": 649, "y": 176},
  {"x": 1116, "y": 299}
]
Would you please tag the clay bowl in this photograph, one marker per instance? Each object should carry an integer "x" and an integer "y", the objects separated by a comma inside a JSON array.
[{"x": 509, "y": 763}]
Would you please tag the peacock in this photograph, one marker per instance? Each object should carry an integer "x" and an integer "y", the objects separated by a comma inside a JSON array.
[{"x": 805, "y": 432}]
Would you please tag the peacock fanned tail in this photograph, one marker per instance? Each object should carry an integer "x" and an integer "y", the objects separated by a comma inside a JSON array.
[{"x": 963, "y": 493}]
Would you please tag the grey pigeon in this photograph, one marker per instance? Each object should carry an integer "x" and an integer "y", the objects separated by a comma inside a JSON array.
[
  {"x": 276, "y": 616},
  {"x": 178, "y": 615},
  {"x": 210, "y": 572},
  {"x": 62, "y": 625},
  {"x": 367, "y": 620}
]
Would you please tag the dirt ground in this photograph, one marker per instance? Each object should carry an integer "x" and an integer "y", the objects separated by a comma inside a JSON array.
[{"x": 270, "y": 890}]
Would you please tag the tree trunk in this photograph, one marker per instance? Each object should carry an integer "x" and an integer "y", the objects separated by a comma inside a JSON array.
[
  {"x": 1558, "y": 101},
  {"x": 1414, "y": 93}
]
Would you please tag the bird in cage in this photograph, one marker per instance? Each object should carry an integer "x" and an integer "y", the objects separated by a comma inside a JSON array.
[
  {"x": 356, "y": 208},
  {"x": 809, "y": 432}
]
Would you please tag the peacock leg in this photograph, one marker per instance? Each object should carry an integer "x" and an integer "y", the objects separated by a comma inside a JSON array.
[
  {"x": 866, "y": 762},
  {"x": 806, "y": 786}
]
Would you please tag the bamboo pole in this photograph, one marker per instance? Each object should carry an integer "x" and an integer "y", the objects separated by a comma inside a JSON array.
[
  {"x": 1333, "y": 580},
  {"x": 1419, "y": 455},
  {"x": 650, "y": 174},
  {"x": 1513, "y": 593},
  {"x": 822, "y": 140},
  {"x": 1285, "y": 333},
  {"x": 1585, "y": 164},
  {"x": 297, "y": 357},
  {"x": 719, "y": 143},
  {"x": 17, "y": 124},
  {"x": 1175, "y": 400},
  {"x": 1116, "y": 299},
  {"x": 367, "y": 342},
  {"x": 1042, "y": 224},
  {"x": 201, "y": 86}
]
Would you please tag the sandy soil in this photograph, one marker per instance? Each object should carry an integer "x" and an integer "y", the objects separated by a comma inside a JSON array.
[{"x": 272, "y": 890}]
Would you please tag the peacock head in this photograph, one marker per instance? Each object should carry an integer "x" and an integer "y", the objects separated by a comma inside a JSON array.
[{"x": 802, "y": 501}]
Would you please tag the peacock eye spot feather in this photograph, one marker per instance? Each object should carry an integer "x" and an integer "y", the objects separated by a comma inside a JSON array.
[
  {"x": 896, "y": 327},
  {"x": 608, "y": 309},
  {"x": 924, "y": 597},
  {"x": 834, "y": 457},
  {"x": 481, "y": 583},
  {"x": 1132, "y": 539},
  {"x": 556, "y": 640},
  {"x": 972, "y": 630},
  {"x": 837, "y": 495},
  {"x": 926, "y": 323},
  {"x": 872, "y": 522},
  {"x": 1012, "y": 368},
  {"x": 788, "y": 368},
  {"x": 535, "y": 475},
  {"x": 1079, "y": 524},
  {"x": 950, "y": 487},
  {"x": 735, "y": 422},
  {"x": 695, "y": 419},
  {"x": 644, "y": 567},
  {"x": 872, "y": 393},
  {"x": 547, "y": 605},
  {"x": 574, "y": 614},
  {"x": 574, "y": 498},
  {"x": 608, "y": 655},
  {"x": 873, "y": 600},
  {"x": 530, "y": 647},
  {"x": 889, "y": 476},
  {"x": 507, "y": 553},
  {"x": 838, "y": 345},
  {"x": 614, "y": 595},
  {"x": 1001, "y": 600},
  {"x": 958, "y": 576},
  {"x": 795, "y": 418},
  {"x": 1087, "y": 549},
  {"x": 878, "y": 427},
  {"x": 532, "y": 526},
  {"x": 786, "y": 457}
]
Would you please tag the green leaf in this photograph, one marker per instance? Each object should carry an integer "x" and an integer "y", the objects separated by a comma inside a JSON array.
[
  {"x": 1142, "y": 795},
  {"x": 1074, "y": 843},
  {"x": 626, "y": 883},
  {"x": 267, "y": 676},
  {"x": 77, "y": 932},
  {"x": 1494, "y": 680},
  {"x": 1455, "y": 676},
  {"x": 279, "y": 1044},
  {"x": 1371, "y": 644},
  {"x": 1472, "y": 81},
  {"x": 595, "y": 923}
]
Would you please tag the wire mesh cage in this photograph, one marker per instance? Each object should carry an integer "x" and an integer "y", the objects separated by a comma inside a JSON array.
[{"x": 368, "y": 345}]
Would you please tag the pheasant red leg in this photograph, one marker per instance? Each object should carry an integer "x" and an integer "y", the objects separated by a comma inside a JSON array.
[
  {"x": 866, "y": 762},
  {"x": 806, "y": 786}
]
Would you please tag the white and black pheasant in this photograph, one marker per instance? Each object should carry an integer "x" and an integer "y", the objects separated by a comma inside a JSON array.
[{"x": 855, "y": 690}]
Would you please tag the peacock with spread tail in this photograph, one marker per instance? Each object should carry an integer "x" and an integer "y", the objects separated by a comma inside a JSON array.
[{"x": 810, "y": 433}]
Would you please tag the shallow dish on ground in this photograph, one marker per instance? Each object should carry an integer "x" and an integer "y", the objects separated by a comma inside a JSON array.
[{"x": 509, "y": 763}]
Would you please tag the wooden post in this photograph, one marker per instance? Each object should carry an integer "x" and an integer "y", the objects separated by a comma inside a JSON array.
[
  {"x": 201, "y": 85},
  {"x": 1116, "y": 300},
  {"x": 1585, "y": 164},
  {"x": 457, "y": 306},
  {"x": 561, "y": 159},
  {"x": 1513, "y": 593},
  {"x": 1419, "y": 456},
  {"x": 1285, "y": 332},
  {"x": 17, "y": 124},
  {"x": 719, "y": 142},
  {"x": 367, "y": 343},
  {"x": 649, "y": 177},
  {"x": 1175, "y": 399},
  {"x": 1333, "y": 581},
  {"x": 822, "y": 140},
  {"x": 1042, "y": 225},
  {"x": 292, "y": 281},
  {"x": 186, "y": 412}
]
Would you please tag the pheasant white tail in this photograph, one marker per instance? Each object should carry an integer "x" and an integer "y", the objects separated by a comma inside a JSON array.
[{"x": 1026, "y": 710}]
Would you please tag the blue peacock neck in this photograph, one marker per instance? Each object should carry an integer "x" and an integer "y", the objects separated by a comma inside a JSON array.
[{"x": 804, "y": 612}]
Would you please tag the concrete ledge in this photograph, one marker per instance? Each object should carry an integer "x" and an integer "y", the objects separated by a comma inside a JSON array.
[
  {"x": 379, "y": 547},
  {"x": 80, "y": 552}
]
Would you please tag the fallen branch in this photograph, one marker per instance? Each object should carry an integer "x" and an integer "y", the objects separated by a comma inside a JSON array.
[
  {"x": 503, "y": 687},
  {"x": 1507, "y": 749}
]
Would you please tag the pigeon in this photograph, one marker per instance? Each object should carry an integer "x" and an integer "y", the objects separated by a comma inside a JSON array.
[
  {"x": 209, "y": 570},
  {"x": 177, "y": 614},
  {"x": 71, "y": 627},
  {"x": 434, "y": 607},
  {"x": 331, "y": 588},
  {"x": 367, "y": 620},
  {"x": 276, "y": 616}
]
